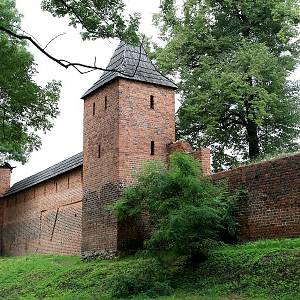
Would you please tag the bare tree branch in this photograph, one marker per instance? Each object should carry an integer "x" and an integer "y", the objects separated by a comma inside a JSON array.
[
  {"x": 18, "y": 28},
  {"x": 140, "y": 55},
  {"x": 62, "y": 62},
  {"x": 54, "y": 39}
]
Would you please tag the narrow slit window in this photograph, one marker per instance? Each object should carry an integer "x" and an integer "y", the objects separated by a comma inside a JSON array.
[
  {"x": 99, "y": 151},
  {"x": 152, "y": 102},
  {"x": 55, "y": 186},
  {"x": 152, "y": 150},
  {"x": 105, "y": 102},
  {"x": 68, "y": 182},
  {"x": 94, "y": 108}
]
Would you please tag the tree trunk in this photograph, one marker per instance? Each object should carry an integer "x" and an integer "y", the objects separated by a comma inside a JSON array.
[{"x": 253, "y": 141}]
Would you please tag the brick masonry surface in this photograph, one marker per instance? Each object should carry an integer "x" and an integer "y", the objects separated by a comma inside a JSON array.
[
  {"x": 119, "y": 126},
  {"x": 68, "y": 214},
  {"x": 272, "y": 207},
  {"x": 4, "y": 180},
  {"x": 203, "y": 155},
  {"x": 45, "y": 218}
]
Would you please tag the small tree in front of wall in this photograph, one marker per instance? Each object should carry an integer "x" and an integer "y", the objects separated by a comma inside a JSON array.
[{"x": 187, "y": 211}]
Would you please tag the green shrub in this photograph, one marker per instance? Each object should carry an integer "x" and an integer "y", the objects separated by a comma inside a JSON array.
[
  {"x": 187, "y": 210},
  {"x": 148, "y": 279}
]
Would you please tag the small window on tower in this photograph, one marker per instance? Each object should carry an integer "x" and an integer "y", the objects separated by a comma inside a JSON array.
[
  {"x": 105, "y": 102},
  {"x": 94, "y": 108},
  {"x": 99, "y": 151},
  {"x": 152, "y": 148},
  {"x": 152, "y": 102}
]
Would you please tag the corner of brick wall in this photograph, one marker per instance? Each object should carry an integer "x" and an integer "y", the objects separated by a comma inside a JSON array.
[
  {"x": 179, "y": 146},
  {"x": 203, "y": 155}
]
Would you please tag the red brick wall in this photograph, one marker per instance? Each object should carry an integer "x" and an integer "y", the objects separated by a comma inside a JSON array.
[
  {"x": 101, "y": 174},
  {"x": 272, "y": 207},
  {"x": 5, "y": 175},
  {"x": 203, "y": 155},
  {"x": 139, "y": 125},
  {"x": 180, "y": 146},
  {"x": 124, "y": 132},
  {"x": 44, "y": 219}
]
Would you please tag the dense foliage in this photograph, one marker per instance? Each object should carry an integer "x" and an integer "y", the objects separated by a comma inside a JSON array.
[
  {"x": 188, "y": 212},
  {"x": 233, "y": 59},
  {"x": 97, "y": 19},
  {"x": 149, "y": 279},
  {"x": 25, "y": 107}
]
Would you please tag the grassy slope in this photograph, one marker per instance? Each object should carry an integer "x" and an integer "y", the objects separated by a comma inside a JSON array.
[{"x": 261, "y": 270}]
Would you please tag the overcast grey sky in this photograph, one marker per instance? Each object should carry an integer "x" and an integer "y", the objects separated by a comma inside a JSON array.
[{"x": 65, "y": 139}]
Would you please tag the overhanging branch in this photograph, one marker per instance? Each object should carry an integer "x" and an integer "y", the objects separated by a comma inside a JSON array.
[{"x": 62, "y": 62}]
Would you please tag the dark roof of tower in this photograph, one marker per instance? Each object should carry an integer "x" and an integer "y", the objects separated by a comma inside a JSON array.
[
  {"x": 60, "y": 168},
  {"x": 131, "y": 62},
  {"x": 6, "y": 166}
]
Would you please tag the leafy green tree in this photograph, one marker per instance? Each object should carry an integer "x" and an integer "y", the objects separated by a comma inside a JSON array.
[
  {"x": 25, "y": 107},
  {"x": 98, "y": 19},
  {"x": 187, "y": 210},
  {"x": 233, "y": 59}
]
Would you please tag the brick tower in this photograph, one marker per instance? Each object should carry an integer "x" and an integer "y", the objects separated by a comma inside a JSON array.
[
  {"x": 5, "y": 174},
  {"x": 128, "y": 119}
]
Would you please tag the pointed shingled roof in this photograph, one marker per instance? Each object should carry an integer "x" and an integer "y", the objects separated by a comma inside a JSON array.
[{"x": 131, "y": 62}]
